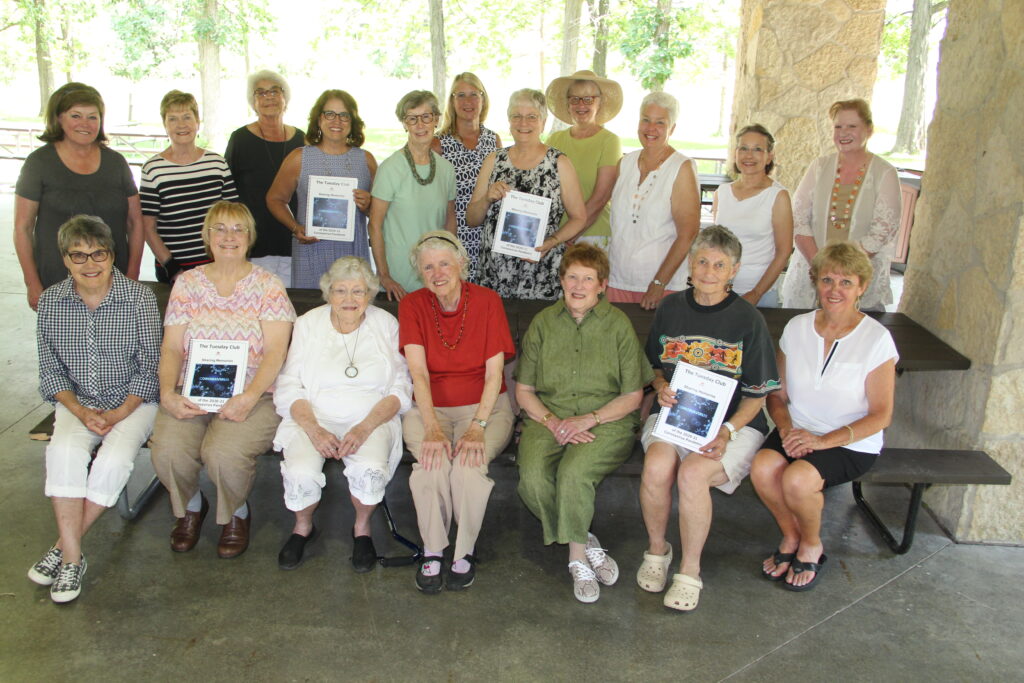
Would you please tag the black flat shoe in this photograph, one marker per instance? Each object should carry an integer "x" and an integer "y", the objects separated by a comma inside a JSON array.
[
  {"x": 429, "y": 584},
  {"x": 290, "y": 556},
  {"x": 364, "y": 555},
  {"x": 456, "y": 581}
]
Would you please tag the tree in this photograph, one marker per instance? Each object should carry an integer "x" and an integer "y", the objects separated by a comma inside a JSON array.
[
  {"x": 910, "y": 132},
  {"x": 570, "y": 36},
  {"x": 145, "y": 30},
  {"x": 36, "y": 20},
  {"x": 438, "y": 55},
  {"x": 599, "y": 22},
  {"x": 652, "y": 38}
]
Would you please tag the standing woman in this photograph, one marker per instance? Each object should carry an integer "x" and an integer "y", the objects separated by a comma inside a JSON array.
[
  {"x": 849, "y": 195},
  {"x": 74, "y": 173},
  {"x": 757, "y": 210},
  {"x": 587, "y": 102},
  {"x": 179, "y": 185},
  {"x": 414, "y": 193},
  {"x": 655, "y": 211},
  {"x": 465, "y": 142},
  {"x": 334, "y": 138},
  {"x": 527, "y": 166},
  {"x": 255, "y": 152}
]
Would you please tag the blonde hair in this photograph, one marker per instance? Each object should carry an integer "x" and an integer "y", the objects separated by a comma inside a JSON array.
[
  {"x": 448, "y": 122},
  {"x": 226, "y": 211}
]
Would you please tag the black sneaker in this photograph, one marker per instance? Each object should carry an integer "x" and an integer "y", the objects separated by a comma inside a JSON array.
[
  {"x": 364, "y": 555},
  {"x": 429, "y": 584},
  {"x": 456, "y": 581},
  {"x": 44, "y": 572},
  {"x": 68, "y": 584}
]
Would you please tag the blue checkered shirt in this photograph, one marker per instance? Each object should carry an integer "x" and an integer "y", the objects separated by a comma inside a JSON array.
[{"x": 102, "y": 355}]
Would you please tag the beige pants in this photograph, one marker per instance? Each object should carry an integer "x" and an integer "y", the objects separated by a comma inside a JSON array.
[
  {"x": 228, "y": 450},
  {"x": 454, "y": 489}
]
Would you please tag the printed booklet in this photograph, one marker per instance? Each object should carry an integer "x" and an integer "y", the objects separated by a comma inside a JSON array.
[
  {"x": 331, "y": 208},
  {"x": 215, "y": 372},
  {"x": 703, "y": 397},
  {"x": 522, "y": 223}
]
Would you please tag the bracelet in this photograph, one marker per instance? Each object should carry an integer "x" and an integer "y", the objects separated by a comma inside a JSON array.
[
  {"x": 544, "y": 420},
  {"x": 597, "y": 418},
  {"x": 848, "y": 427}
]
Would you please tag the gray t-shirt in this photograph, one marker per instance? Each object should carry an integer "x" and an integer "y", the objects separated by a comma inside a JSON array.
[{"x": 62, "y": 193}]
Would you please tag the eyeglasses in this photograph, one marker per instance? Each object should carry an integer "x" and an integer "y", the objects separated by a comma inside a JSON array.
[
  {"x": 354, "y": 293},
  {"x": 427, "y": 119},
  {"x": 755, "y": 149},
  {"x": 222, "y": 229},
  {"x": 271, "y": 92},
  {"x": 340, "y": 115},
  {"x": 80, "y": 257},
  {"x": 588, "y": 100},
  {"x": 529, "y": 118},
  {"x": 471, "y": 95}
]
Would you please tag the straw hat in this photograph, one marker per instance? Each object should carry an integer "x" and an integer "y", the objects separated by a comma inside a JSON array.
[{"x": 558, "y": 92}]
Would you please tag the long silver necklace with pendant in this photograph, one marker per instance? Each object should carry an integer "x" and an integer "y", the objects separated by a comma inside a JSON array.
[{"x": 351, "y": 371}]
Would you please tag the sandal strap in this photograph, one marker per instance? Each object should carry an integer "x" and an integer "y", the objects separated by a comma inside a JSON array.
[
  {"x": 799, "y": 567},
  {"x": 688, "y": 580}
]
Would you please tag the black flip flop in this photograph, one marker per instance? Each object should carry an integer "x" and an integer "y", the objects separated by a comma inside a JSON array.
[
  {"x": 779, "y": 557},
  {"x": 799, "y": 567}
]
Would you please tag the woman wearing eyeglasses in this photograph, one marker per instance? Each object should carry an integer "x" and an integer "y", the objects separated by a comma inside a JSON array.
[
  {"x": 255, "y": 152},
  {"x": 531, "y": 167},
  {"x": 465, "y": 142},
  {"x": 333, "y": 149},
  {"x": 96, "y": 319},
  {"x": 230, "y": 299},
  {"x": 413, "y": 193}
]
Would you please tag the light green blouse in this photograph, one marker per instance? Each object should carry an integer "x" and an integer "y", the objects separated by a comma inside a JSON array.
[{"x": 587, "y": 156}]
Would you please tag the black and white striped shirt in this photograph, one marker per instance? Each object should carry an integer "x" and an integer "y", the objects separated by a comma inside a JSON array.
[
  {"x": 179, "y": 195},
  {"x": 101, "y": 355}
]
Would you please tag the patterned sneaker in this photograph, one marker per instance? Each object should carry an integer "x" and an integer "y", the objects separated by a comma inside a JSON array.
[
  {"x": 68, "y": 583},
  {"x": 45, "y": 570},
  {"x": 606, "y": 569},
  {"x": 584, "y": 584}
]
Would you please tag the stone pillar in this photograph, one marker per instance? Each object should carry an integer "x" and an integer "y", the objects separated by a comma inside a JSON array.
[
  {"x": 794, "y": 59},
  {"x": 965, "y": 280}
]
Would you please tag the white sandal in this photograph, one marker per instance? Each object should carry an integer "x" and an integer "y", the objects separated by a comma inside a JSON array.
[
  {"x": 653, "y": 573},
  {"x": 684, "y": 593}
]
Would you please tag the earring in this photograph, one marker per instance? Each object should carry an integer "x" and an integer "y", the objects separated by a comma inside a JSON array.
[
  {"x": 728, "y": 286},
  {"x": 857, "y": 303},
  {"x": 689, "y": 282}
]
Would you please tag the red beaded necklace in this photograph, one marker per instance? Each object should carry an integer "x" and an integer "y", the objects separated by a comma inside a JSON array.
[{"x": 462, "y": 325}]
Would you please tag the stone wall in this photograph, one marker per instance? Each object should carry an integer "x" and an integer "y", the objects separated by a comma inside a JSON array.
[
  {"x": 794, "y": 59},
  {"x": 965, "y": 281}
]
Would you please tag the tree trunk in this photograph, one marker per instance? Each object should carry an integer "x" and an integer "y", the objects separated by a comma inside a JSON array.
[
  {"x": 664, "y": 7},
  {"x": 910, "y": 133},
  {"x": 44, "y": 64},
  {"x": 721, "y": 94},
  {"x": 599, "y": 18},
  {"x": 209, "y": 74},
  {"x": 438, "y": 57},
  {"x": 69, "y": 47},
  {"x": 570, "y": 36}
]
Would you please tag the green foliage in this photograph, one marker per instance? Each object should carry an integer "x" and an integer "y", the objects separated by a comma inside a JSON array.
[
  {"x": 233, "y": 23},
  {"x": 896, "y": 42},
  {"x": 147, "y": 33},
  {"x": 652, "y": 40}
]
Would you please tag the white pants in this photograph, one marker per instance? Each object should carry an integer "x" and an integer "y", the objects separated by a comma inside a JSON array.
[
  {"x": 280, "y": 266},
  {"x": 368, "y": 470},
  {"x": 67, "y": 456}
]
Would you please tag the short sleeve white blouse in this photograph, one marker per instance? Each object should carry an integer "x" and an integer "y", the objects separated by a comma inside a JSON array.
[{"x": 824, "y": 397}]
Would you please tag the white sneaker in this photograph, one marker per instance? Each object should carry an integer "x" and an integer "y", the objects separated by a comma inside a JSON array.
[
  {"x": 606, "y": 569},
  {"x": 68, "y": 584},
  {"x": 45, "y": 570},
  {"x": 584, "y": 583}
]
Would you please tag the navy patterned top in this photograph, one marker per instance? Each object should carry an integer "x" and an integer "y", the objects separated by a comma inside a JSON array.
[{"x": 467, "y": 164}]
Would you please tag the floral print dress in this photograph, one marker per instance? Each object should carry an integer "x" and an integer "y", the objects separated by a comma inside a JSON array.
[
  {"x": 467, "y": 163},
  {"x": 509, "y": 276}
]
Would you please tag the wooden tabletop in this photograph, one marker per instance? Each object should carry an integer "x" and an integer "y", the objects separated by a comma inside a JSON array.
[{"x": 919, "y": 349}]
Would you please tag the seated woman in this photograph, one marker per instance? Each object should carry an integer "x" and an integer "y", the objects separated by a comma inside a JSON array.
[
  {"x": 462, "y": 417},
  {"x": 838, "y": 367},
  {"x": 95, "y": 318},
  {"x": 230, "y": 299},
  {"x": 579, "y": 380},
  {"x": 711, "y": 327},
  {"x": 339, "y": 396}
]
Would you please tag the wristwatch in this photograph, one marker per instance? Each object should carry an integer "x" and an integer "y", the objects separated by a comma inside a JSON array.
[
  {"x": 482, "y": 423},
  {"x": 658, "y": 282},
  {"x": 732, "y": 430}
]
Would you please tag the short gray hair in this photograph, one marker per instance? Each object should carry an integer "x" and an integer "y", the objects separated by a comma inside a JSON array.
[
  {"x": 266, "y": 75},
  {"x": 440, "y": 239},
  {"x": 529, "y": 97},
  {"x": 82, "y": 229},
  {"x": 663, "y": 100},
  {"x": 349, "y": 268},
  {"x": 721, "y": 238},
  {"x": 416, "y": 98}
]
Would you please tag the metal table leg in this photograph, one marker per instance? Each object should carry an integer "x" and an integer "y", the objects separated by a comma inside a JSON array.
[{"x": 898, "y": 547}]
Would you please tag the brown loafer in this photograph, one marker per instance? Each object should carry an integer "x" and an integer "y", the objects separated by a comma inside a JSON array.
[
  {"x": 185, "y": 533},
  {"x": 234, "y": 539}
]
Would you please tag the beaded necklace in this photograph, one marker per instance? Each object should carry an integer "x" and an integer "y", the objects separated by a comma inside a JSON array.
[
  {"x": 837, "y": 222},
  {"x": 462, "y": 325},
  {"x": 412, "y": 166}
]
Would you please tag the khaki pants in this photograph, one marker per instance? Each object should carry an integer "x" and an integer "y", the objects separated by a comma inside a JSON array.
[
  {"x": 228, "y": 450},
  {"x": 454, "y": 489}
]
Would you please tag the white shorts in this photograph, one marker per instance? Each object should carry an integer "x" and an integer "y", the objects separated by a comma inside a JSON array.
[{"x": 739, "y": 453}]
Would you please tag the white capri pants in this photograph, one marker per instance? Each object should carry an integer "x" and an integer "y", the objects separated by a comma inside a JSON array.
[
  {"x": 67, "y": 456},
  {"x": 368, "y": 470}
]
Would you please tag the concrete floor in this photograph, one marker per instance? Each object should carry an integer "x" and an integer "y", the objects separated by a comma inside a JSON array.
[{"x": 941, "y": 612}]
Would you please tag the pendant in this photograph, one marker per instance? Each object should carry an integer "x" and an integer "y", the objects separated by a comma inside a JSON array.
[{"x": 351, "y": 371}]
